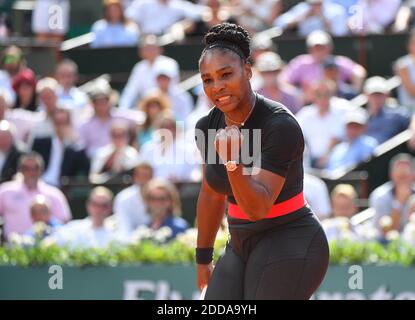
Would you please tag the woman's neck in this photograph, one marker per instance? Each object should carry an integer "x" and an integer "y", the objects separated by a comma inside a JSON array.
[{"x": 242, "y": 111}]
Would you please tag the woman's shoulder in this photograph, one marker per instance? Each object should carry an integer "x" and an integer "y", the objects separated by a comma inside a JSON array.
[{"x": 99, "y": 25}]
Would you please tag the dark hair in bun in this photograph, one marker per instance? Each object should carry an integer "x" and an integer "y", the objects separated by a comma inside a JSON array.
[{"x": 229, "y": 36}]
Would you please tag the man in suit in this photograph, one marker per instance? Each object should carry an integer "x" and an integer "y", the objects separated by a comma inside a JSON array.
[
  {"x": 63, "y": 155},
  {"x": 9, "y": 151}
]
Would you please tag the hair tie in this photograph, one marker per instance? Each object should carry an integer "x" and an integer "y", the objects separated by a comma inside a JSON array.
[{"x": 227, "y": 45}]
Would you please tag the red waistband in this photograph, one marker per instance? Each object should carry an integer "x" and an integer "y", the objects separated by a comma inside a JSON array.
[{"x": 277, "y": 210}]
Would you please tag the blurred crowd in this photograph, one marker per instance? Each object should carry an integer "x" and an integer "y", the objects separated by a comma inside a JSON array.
[{"x": 53, "y": 131}]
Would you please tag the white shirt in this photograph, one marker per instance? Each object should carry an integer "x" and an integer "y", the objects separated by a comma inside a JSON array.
[
  {"x": 6, "y": 84},
  {"x": 72, "y": 99},
  {"x": 175, "y": 162},
  {"x": 142, "y": 79},
  {"x": 51, "y": 16},
  {"x": 182, "y": 103},
  {"x": 334, "y": 13},
  {"x": 53, "y": 171},
  {"x": 155, "y": 17},
  {"x": 130, "y": 210},
  {"x": 125, "y": 159},
  {"x": 81, "y": 234},
  {"x": 375, "y": 15},
  {"x": 320, "y": 130},
  {"x": 317, "y": 195},
  {"x": 42, "y": 128}
]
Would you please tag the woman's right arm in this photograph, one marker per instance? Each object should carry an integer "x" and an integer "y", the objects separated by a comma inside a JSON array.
[{"x": 210, "y": 212}]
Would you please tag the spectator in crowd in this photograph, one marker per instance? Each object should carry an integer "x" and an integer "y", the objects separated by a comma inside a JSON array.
[
  {"x": 143, "y": 77},
  {"x": 50, "y": 19},
  {"x": 374, "y": 16},
  {"x": 332, "y": 72},
  {"x": 348, "y": 5},
  {"x": 260, "y": 44},
  {"x": 408, "y": 232},
  {"x": 69, "y": 96},
  {"x": 16, "y": 196},
  {"x": 344, "y": 207},
  {"x": 44, "y": 224},
  {"x": 96, "y": 132},
  {"x": 5, "y": 25},
  {"x": 129, "y": 206},
  {"x": 169, "y": 155},
  {"x": 168, "y": 12},
  {"x": 405, "y": 17},
  {"x": 215, "y": 13},
  {"x": 322, "y": 123},
  {"x": 384, "y": 121},
  {"x": 48, "y": 103},
  {"x": 24, "y": 86},
  {"x": 258, "y": 15},
  {"x": 164, "y": 207},
  {"x": 94, "y": 231},
  {"x": 20, "y": 118},
  {"x": 405, "y": 70},
  {"x": 390, "y": 200},
  {"x": 181, "y": 100},
  {"x": 114, "y": 30},
  {"x": 62, "y": 154},
  {"x": 306, "y": 69},
  {"x": 317, "y": 195},
  {"x": 10, "y": 151},
  {"x": 116, "y": 157},
  {"x": 153, "y": 104},
  {"x": 357, "y": 148},
  {"x": 312, "y": 15},
  {"x": 11, "y": 63},
  {"x": 269, "y": 66}
]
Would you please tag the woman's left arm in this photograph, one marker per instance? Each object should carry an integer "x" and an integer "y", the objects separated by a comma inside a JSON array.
[
  {"x": 255, "y": 194},
  {"x": 282, "y": 143}
]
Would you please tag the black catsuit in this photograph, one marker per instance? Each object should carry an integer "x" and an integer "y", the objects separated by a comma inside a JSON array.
[{"x": 285, "y": 257}]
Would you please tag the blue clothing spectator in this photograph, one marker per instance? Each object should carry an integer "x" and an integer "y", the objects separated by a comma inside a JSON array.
[
  {"x": 41, "y": 233},
  {"x": 114, "y": 35},
  {"x": 384, "y": 122},
  {"x": 176, "y": 224},
  {"x": 347, "y": 154},
  {"x": 114, "y": 30},
  {"x": 358, "y": 146},
  {"x": 388, "y": 123}
]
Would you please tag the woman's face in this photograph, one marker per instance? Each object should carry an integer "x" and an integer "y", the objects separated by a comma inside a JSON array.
[
  {"x": 153, "y": 109},
  {"x": 159, "y": 202},
  {"x": 114, "y": 13},
  {"x": 225, "y": 79},
  {"x": 25, "y": 92}
]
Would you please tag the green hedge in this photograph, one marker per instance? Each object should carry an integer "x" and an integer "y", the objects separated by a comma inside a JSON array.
[{"x": 180, "y": 252}]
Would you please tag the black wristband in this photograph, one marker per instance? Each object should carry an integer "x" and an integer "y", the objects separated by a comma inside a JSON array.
[{"x": 204, "y": 255}]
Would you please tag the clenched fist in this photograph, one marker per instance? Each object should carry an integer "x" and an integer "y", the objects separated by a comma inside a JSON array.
[{"x": 228, "y": 143}]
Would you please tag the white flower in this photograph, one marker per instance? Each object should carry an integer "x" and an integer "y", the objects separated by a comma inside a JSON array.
[
  {"x": 188, "y": 238},
  {"x": 392, "y": 235},
  {"x": 162, "y": 234},
  {"x": 140, "y": 234}
]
